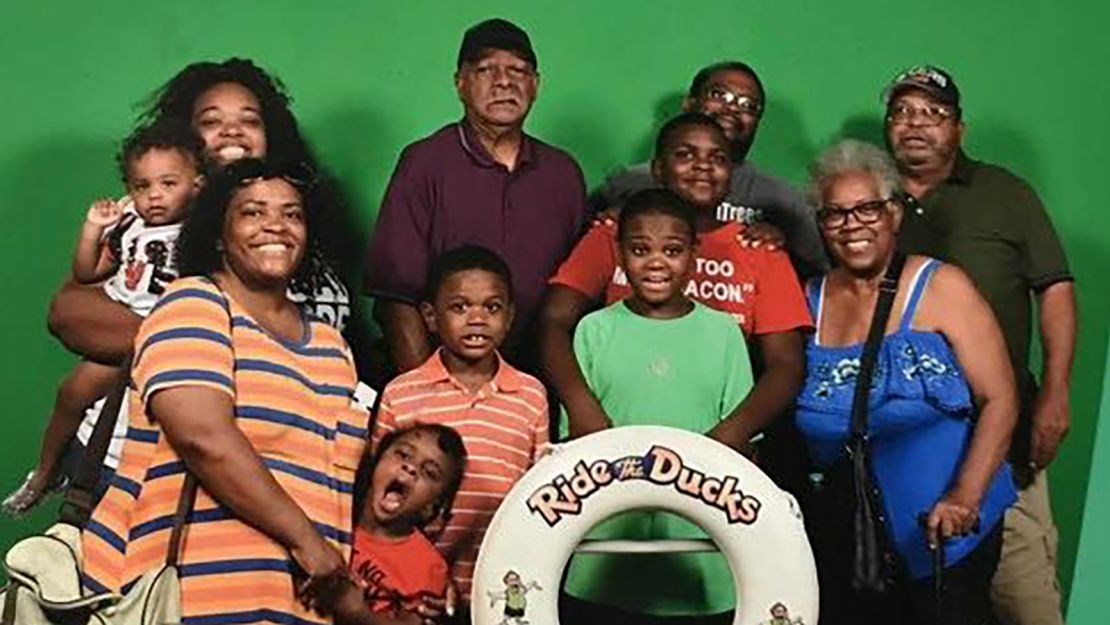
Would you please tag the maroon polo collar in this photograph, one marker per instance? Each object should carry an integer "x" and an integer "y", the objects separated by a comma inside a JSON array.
[{"x": 474, "y": 148}]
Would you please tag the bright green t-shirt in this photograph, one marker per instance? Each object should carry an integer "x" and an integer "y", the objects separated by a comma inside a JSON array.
[{"x": 687, "y": 373}]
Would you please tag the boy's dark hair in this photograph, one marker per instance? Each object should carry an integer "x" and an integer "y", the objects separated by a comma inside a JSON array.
[
  {"x": 160, "y": 135},
  {"x": 697, "y": 85},
  {"x": 656, "y": 202},
  {"x": 198, "y": 246},
  {"x": 450, "y": 443},
  {"x": 682, "y": 121},
  {"x": 466, "y": 258}
]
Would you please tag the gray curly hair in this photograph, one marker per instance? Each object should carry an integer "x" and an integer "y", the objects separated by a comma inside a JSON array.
[{"x": 852, "y": 155}]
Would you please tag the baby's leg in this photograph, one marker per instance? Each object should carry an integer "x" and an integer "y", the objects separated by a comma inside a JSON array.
[{"x": 86, "y": 383}]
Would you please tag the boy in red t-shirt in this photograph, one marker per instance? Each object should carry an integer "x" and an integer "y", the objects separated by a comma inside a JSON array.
[
  {"x": 757, "y": 286},
  {"x": 414, "y": 475}
]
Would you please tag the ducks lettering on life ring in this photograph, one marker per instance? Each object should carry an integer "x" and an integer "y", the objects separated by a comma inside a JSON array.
[{"x": 757, "y": 526}]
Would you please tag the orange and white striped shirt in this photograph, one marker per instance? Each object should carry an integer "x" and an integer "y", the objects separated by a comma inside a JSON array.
[{"x": 504, "y": 427}]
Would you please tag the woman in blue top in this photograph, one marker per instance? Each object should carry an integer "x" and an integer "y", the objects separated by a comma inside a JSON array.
[{"x": 942, "y": 402}]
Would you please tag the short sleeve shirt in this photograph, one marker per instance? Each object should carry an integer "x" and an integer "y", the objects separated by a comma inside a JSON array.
[
  {"x": 687, "y": 373},
  {"x": 145, "y": 261},
  {"x": 992, "y": 225},
  {"x": 757, "y": 287},
  {"x": 292, "y": 403},
  {"x": 398, "y": 574}
]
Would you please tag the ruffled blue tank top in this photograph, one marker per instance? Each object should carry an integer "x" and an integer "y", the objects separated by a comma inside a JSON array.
[{"x": 920, "y": 424}]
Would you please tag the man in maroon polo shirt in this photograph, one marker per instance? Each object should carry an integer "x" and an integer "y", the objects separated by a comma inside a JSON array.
[{"x": 483, "y": 181}]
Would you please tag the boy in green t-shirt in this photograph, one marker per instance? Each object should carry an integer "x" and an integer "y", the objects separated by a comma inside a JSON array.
[{"x": 657, "y": 358}]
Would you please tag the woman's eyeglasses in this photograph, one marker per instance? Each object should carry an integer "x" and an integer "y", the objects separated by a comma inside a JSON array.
[{"x": 831, "y": 217}]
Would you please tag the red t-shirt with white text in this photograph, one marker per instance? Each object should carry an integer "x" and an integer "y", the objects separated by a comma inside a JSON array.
[{"x": 757, "y": 287}]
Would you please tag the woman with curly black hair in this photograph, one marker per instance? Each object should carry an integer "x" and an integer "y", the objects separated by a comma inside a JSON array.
[{"x": 239, "y": 110}]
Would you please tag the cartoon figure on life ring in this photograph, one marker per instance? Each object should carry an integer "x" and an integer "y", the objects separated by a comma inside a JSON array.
[
  {"x": 515, "y": 597},
  {"x": 754, "y": 524},
  {"x": 780, "y": 615}
]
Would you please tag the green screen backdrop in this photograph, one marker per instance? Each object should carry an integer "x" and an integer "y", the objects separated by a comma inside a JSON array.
[{"x": 369, "y": 77}]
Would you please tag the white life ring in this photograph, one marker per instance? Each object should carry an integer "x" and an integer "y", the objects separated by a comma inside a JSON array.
[{"x": 757, "y": 526}]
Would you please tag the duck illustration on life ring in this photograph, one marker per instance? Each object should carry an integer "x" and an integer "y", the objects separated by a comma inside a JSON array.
[{"x": 753, "y": 523}]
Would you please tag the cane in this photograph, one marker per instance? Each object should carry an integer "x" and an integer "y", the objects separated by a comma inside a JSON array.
[{"x": 938, "y": 571}]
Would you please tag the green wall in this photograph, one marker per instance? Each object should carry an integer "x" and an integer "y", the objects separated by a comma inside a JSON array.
[
  {"x": 370, "y": 77},
  {"x": 1092, "y": 568}
]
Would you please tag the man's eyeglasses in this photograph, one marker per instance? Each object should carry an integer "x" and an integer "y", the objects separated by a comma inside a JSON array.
[
  {"x": 831, "y": 217},
  {"x": 929, "y": 115},
  {"x": 745, "y": 103}
]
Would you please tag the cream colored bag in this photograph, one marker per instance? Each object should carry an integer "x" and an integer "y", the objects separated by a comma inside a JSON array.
[
  {"x": 44, "y": 585},
  {"x": 44, "y": 571}
]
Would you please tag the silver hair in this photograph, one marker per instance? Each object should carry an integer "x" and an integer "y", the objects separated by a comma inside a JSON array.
[{"x": 851, "y": 155}]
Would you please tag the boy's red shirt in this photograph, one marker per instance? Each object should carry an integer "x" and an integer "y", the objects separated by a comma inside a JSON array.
[{"x": 398, "y": 574}]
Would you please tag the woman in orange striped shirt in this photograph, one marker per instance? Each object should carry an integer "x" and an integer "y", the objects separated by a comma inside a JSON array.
[{"x": 232, "y": 382}]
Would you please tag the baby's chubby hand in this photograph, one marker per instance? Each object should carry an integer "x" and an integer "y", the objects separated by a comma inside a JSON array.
[{"x": 103, "y": 213}]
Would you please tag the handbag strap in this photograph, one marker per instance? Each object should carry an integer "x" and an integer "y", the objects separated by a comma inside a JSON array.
[
  {"x": 867, "y": 554},
  {"x": 80, "y": 497},
  {"x": 181, "y": 517},
  {"x": 888, "y": 289}
]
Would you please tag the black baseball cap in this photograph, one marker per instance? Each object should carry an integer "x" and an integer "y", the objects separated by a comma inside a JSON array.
[
  {"x": 495, "y": 34},
  {"x": 929, "y": 78}
]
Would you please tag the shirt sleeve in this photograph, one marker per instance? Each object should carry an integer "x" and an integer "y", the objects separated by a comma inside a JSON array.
[
  {"x": 779, "y": 303},
  {"x": 186, "y": 341},
  {"x": 399, "y": 255},
  {"x": 1042, "y": 255},
  {"x": 591, "y": 263},
  {"x": 737, "y": 368}
]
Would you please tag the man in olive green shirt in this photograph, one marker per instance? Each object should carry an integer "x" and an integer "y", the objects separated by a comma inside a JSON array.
[{"x": 991, "y": 223}]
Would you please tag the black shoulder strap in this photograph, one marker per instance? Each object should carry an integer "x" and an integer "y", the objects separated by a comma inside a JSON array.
[
  {"x": 868, "y": 570},
  {"x": 888, "y": 289},
  {"x": 80, "y": 497}
]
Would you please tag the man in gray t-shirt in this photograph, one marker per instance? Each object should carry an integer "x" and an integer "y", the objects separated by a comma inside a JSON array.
[{"x": 732, "y": 94}]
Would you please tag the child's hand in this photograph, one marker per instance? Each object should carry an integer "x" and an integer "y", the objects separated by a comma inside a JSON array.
[
  {"x": 452, "y": 597},
  {"x": 433, "y": 608},
  {"x": 103, "y": 213},
  {"x": 607, "y": 217}
]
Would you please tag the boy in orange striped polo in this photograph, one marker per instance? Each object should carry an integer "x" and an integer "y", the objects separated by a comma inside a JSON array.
[{"x": 500, "y": 412}]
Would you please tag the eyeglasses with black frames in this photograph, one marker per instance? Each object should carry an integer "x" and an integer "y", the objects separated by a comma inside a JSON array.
[{"x": 832, "y": 217}]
